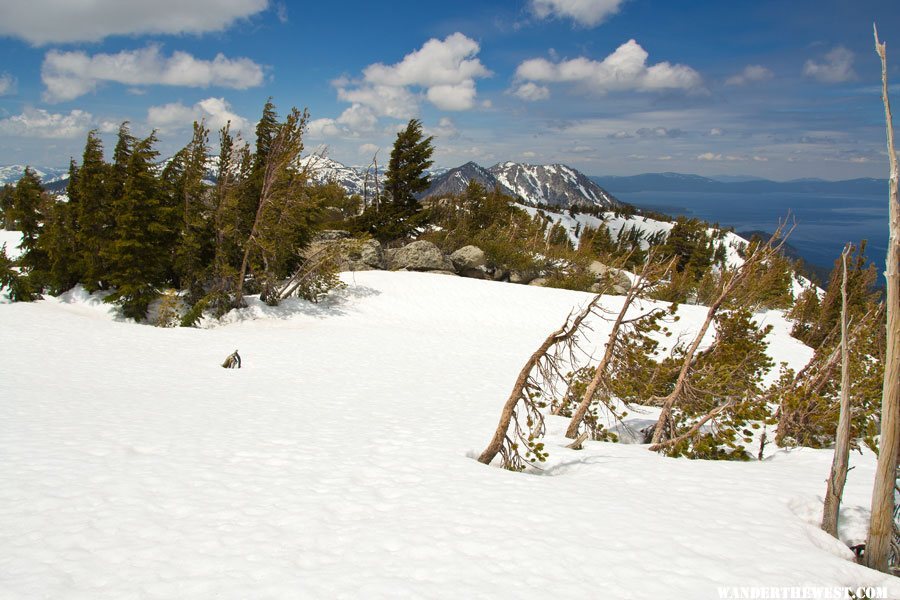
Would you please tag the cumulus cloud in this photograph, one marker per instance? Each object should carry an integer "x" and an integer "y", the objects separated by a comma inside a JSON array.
[
  {"x": 7, "y": 84},
  {"x": 588, "y": 13},
  {"x": 39, "y": 123},
  {"x": 68, "y": 75},
  {"x": 715, "y": 132},
  {"x": 445, "y": 69},
  {"x": 836, "y": 68},
  {"x": 216, "y": 112},
  {"x": 42, "y": 22},
  {"x": 532, "y": 92},
  {"x": 322, "y": 128},
  {"x": 750, "y": 74},
  {"x": 625, "y": 69}
]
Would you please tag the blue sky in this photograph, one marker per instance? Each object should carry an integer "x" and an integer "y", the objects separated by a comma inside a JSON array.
[{"x": 612, "y": 87}]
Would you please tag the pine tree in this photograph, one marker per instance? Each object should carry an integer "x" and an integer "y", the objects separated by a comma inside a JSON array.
[
  {"x": 94, "y": 214},
  {"x": 137, "y": 257},
  {"x": 193, "y": 247},
  {"x": 406, "y": 174},
  {"x": 28, "y": 207}
]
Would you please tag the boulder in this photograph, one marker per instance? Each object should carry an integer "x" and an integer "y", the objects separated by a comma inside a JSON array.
[
  {"x": 523, "y": 277},
  {"x": 615, "y": 276},
  {"x": 470, "y": 261},
  {"x": 419, "y": 256},
  {"x": 540, "y": 281},
  {"x": 366, "y": 256},
  {"x": 352, "y": 254},
  {"x": 468, "y": 257}
]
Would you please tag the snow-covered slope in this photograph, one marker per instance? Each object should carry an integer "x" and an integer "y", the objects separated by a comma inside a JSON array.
[
  {"x": 338, "y": 462},
  {"x": 556, "y": 185},
  {"x": 353, "y": 180}
]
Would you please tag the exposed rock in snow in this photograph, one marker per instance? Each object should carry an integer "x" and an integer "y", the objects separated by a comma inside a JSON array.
[{"x": 419, "y": 256}]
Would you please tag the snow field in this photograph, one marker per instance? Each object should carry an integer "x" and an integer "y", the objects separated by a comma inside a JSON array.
[{"x": 338, "y": 462}]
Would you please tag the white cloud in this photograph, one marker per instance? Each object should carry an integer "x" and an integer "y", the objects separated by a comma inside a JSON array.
[
  {"x": 445, "y": 69},
  {"x": 7, "y": 84},
  {"x": 42, "y": 22},
  {"x": 625, "y": 69},
  {"x": 384, "y": 101},
  {"x": 322, "y": 128},
  {"x": 68, "y": 75},
  {"x": 715, "y": 132},
  {"x": 445, "y": 130},
  {"x": 588, "y": 13},
  {"x": 750, "y": 74},
  {"x": 368, "y": 150},
  {"x": 216, "y": 112},
  {"x": 38, "y": 123},
  {"x": 532, "y": 92},
  {"x": 718, "y": 157},
  {"x": 358, "y": 118},
  {"x": 837, "y": 67}
]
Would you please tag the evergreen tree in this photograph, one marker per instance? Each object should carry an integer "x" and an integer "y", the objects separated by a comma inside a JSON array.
[
  {"x": 193, "y": 247},
  {"x": 28, "y": 207},
  {"x": 94, "y": 214},
  {"x": 410, "y": 158},
  {"x": 137, "y": 258}
]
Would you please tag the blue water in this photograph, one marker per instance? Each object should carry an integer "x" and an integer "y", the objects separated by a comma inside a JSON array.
[{"x": 824, "y": 223}]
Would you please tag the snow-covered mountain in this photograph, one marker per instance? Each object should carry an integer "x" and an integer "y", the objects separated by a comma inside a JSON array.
[
  {"x": 12, "y": 173},
  {"x": 455, "y": 181},
  {"x": 352, "y": 179},
  {"x": 556, "y": 185}
]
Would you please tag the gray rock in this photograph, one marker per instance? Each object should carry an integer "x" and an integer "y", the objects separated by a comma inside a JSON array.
[
  {"x": 540, "y": 281},
  {"x": 468, "y": 257},
  {"x": 419, "y": 256},
  {"x": 523, "y": 277},
  {"x": 615, "y": 276},
  {"x": 352, "y": 255}
]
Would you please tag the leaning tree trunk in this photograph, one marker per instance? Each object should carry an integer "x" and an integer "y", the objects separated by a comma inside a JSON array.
[
  {"x": 638, "y": 288},
  {"x": 881, "y": 523},
  {"x": 522, "y": 394},
  {"x": 835, "y": 488}
]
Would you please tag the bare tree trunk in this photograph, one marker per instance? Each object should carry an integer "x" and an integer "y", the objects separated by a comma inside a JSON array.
[
  {"x": 881, "y": 523},
  {"x": 695, "y": 428},
  {"x": 520, "y": 391},
  {"x": 599, "y": 378},
  {"x": 664, "y": 428},
  {"x": 835, "y": 488}
]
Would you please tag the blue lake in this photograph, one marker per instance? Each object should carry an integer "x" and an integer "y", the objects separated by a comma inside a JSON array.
[{"x": 824, "y": 222}]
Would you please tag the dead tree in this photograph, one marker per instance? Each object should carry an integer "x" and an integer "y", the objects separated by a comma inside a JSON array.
[
  {"x": 881, "y": 522},
  {"x": 731, "y": 281},
  {"x": 521, "y": 420},
  {"x": 835, "y": 487},
  {"x": 649, "y": 276}
]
